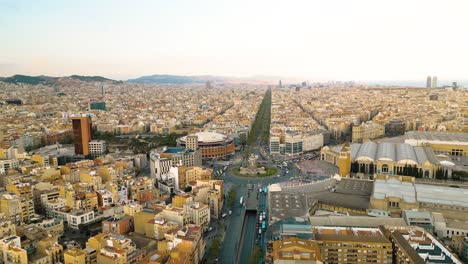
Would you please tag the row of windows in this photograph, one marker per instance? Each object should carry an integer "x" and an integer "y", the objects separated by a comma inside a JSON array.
[
  {"x": 455, "y": 233},
  {"x": 333, "y": 245},
  {"x": 445, "y": 206}
]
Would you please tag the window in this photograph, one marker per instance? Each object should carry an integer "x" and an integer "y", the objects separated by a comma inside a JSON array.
[{"x": 385, "y": 168}]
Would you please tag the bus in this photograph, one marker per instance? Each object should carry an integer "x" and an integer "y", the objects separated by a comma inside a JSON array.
[
  {"x": 263, "y": 225},
  {"x": 241, "y": 200},
  {"x": 265, "y": 190}
]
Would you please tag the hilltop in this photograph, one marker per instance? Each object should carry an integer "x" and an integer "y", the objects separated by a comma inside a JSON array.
[
  {"x": 175, "y": 79},
  {"x": 47, "y": 80}
]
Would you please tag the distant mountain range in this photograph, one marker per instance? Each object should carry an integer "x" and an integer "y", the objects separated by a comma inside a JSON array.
[
  {"x": 198, "y": 79},
  {"x": 175, "y": 79},
  {"x": 47, "y": 80}
]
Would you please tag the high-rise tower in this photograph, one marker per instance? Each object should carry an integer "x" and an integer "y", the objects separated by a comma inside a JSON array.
[
  {"x": 429, "y": 82},
  {"x": 434, "y": 82},
  {"x": 82, "y": 132}
]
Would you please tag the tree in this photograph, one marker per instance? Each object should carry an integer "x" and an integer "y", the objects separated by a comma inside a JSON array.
[
  {"x": 214, "y": 250},
  {"x": 231, "y": 197},
  {"x": 256, "y": 255}
]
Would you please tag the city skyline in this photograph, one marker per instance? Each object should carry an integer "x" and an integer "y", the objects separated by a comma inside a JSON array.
[
  {"x": 337, "y": 40},
  {"x": 226, "y": 132}
]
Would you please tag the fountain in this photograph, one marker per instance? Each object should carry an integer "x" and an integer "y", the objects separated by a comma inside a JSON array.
[{"x": 252, "y": 168}]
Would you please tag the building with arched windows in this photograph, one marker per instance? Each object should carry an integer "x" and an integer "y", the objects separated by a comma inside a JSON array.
[
  {"x": 384, "y": 158},
  {"x": 212, "y": 145}
]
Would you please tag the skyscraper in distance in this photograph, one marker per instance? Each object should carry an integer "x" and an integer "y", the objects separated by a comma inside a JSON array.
[
  {"x": 82, "y": 133},
  {"x": 280, "y": 84},
  {"x": 434, "y": 82},
  {"x": 429, "y": 82}
]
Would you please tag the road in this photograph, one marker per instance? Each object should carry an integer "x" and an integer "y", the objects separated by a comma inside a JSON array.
[
  {"x": 234, "y": 223},
  {"x": 248, "y": 236},
  {"x": 230, "y": 245}
]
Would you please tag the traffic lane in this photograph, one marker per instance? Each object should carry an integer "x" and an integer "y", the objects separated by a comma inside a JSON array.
[
  {"x": 233, "y": 231},
  {"x": 248, "y": 237}
]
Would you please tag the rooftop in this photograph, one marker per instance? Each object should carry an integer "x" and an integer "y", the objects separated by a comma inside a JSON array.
[
  {"x": 433, "y": 137},
  {"x": 355, "y": 221},
  {"x": 207, "y": 137},
  {"x": 396, "y": 152},
  {"x": 372, "y": 235},
  {"x": 174, "y": 150},
  {"x": 412, "y": 192}
]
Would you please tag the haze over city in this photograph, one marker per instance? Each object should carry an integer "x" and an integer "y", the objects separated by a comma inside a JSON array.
[
  {"x": 313, "y": 40},
  {"x": 233, "y": 132}
]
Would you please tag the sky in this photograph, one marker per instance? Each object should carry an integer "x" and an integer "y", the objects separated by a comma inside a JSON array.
[{"x": 310, "y": 39}]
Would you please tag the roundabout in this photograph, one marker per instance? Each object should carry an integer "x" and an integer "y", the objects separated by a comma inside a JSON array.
[
  {"x": 268, "y": 171},
  {"x": 252, "y": 170}
]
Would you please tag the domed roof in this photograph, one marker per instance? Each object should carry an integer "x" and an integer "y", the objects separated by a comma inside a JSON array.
[{"x": 207, "y": 137}]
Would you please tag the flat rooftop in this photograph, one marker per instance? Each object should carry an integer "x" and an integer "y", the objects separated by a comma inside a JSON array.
[
  {"x": 434, "y": 137},
  {"x": 355, "y": 221},
  {"x": 355, "y": 186},
  {"x": 174, "y": 150},
  {"x": 284, "y": 205},
  {"x": 414, "y": 192},
  {"x": 345, "y": 200},
  {"x": 372, "y": 235}
]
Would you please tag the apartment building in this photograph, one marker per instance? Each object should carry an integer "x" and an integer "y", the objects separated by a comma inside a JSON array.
[
  {"x": 161, "y": 160},
  {"x": 97, "y": 148},
  {"x": 366, "y": 131},
  {"x": 294, "y": 250},
  {"x": 353, "y": 245}
]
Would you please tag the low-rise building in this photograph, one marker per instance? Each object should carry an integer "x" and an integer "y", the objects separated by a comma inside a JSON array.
[
  {"x": 105, "y": 198},
  {"x": 447, "y": 143},
  {"x": 416, "y": 245},
  {"x": 366, "y": 131},
  {"x": 199, "y": 214},
  {"x": 11, "y": 251},
  {"x": 97, "y": 148},
  {"x": 396, "y": 194},
  {"x": 162, "y": 160},
  {"x": 383, "y": 158},
  {"x": 353, "y": 245},
  {"x": 422, "y": 219},
  {"x": 76, "y": 256},
  {"x": 6, "y": 165},
  {"x": 294, "y": 251},
  {"x": 460, "y": 245},
  {"x": 118, "y": 224},
  {"x": 79, "y": 217}
]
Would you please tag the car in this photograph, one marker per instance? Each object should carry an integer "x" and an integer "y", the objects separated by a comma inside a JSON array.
[
  {"x": 230, "y": 212},
  {"x": 224, "y": 215},
  {"x": 210, "y": 228}
]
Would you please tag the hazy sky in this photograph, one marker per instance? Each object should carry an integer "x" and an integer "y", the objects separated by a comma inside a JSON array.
[{"x": 327, "y": 39}]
